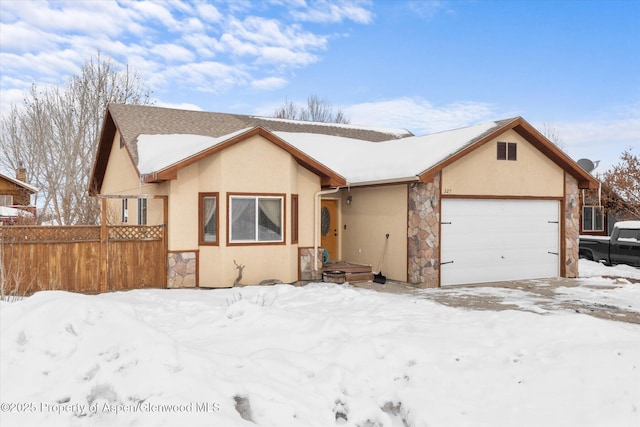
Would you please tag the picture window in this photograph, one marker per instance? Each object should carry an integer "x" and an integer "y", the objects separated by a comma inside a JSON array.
[{"x": 256, "y": 219}]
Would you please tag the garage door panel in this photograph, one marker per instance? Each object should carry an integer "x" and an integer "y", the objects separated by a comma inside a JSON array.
[{"x": 494, "y": 240}]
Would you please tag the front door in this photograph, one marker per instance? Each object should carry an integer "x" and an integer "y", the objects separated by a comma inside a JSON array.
[{"x": 329, "y": 227}]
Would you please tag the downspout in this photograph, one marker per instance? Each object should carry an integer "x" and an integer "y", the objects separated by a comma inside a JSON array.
[{"x": 316, "y": 225}]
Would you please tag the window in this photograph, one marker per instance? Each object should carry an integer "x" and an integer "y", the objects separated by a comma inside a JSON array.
[
  {"x": 208, "y": 218},
  {"x": 142, "y": 211},
  {"x": 507, "y": 151},
  {"x": 125, "y": 213},
  {"x": 294, "y": 218},
  {"x": 592, "y": 218},
  {"x": 256, "y": 219},
  {"x": 629, "y": 235},
  {"x": 6, "y": 200}
]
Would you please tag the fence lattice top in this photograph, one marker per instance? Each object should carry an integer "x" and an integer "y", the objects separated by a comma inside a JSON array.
[
  {"x": 35, "y": 234},
  {"x": 78, "y": 233},
  {"x": 135, "y": 232}
]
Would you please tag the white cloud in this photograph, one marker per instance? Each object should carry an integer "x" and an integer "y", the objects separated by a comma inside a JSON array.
[
  {"x": 156, "y": 10},
  {"x": 173, "y": 53},
  {"x": 208, "y": 76},
  {"x": 419, "y": 115},
  {"x": 269, "y": 83},
  {"x": 205, "y": 46},
  {"x": 20, "y": 37},
  {"x": 602, "y": 138},
  {"x": 72, "y": 16},
  {"x": 270, "y": 42},
  {"x": 427, "y": 9},
  {"x": 331, "y": 12},
  {"x": 11, "y": 97},
  {"x": 179, "y": 106},
  {"x": 254, "y": 45},
  {"x": 208, "y": 13}
]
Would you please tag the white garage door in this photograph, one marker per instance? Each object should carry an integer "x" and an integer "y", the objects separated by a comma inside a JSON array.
[{"x": 496, "y": 240}]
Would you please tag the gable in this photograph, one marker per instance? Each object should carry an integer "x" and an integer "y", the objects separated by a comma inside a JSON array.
[
  {"x": 13, "y": 187},
  {"x": 480, "y": 172},
  {"x": 328, "y": 176},
  {"x": 252, "y": 165},
  {"x": 200, "y": 146},
  {"x": 121, "y": 175},
  {"x": 533, "y": 137}
]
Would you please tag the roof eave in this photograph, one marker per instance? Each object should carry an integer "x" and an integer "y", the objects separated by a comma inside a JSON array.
[
  {"x": 535, "y": 138},
  {"x": 428, "y": 174},
  {"x": 329, "y": 178}
]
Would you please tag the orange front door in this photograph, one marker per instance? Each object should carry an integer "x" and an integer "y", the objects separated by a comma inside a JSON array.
[{"x": 329, "y": 227}]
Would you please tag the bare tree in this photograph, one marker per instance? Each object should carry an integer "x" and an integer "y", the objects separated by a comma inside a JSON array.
[
  {"x": 54, "y": 135},
  {"x": 552, "y": 134},
  {"x": 317, "y": 110},
  {"x": 624, "y": 179}
]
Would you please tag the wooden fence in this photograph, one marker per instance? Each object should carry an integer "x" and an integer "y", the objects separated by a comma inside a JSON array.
[{"x": 86, "y": 259}]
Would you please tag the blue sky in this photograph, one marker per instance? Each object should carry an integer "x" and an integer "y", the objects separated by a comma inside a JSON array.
[{"x": 422, "y": 65}]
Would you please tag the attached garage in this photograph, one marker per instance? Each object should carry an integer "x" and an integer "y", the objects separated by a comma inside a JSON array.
[{"x": 487, "y": 240}]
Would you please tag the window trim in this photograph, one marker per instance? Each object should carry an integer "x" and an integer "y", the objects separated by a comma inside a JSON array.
[
  {"x": 201, "y": 240},
  {"x": 295, "y": 223},
  {"x": 593, "y": 218},
  {"x": 257, "y": 196},
  {"x": 507, "y": 151}
]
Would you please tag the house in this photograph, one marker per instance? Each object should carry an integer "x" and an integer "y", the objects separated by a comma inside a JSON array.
[
  {"x": 601, "y": 209},
  {"x": 15, "y": 199},
  {"x": 490, "y": 202}
]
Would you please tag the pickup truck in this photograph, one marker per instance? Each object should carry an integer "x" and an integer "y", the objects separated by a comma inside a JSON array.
[{"x": 622, "y": 247}]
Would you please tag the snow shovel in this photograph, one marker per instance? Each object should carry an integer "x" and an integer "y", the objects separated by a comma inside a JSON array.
[{"x": 379, "y": 277}]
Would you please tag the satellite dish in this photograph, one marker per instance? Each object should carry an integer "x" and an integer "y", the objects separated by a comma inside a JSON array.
[{"x": 587, "y": 165}]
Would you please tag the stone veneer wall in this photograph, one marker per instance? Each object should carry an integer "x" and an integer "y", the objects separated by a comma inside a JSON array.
[
  {"x": 181, "y": 269},
  {"x": 571, "y": 226},
  {"x": 307, "y": 265},
  {"x": 424, "y": 233}
]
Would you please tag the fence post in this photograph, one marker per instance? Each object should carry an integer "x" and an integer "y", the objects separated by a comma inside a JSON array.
[{"x": 104, "y": 237}]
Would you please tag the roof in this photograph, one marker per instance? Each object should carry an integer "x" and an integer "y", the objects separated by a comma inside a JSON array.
[
  {"x": 135, "y": 120},
  {"x": 138, "y": 122},
  {"x": 393, "y": 160},
  {"x": 7, "y": 212},
  {"x": 17, "y": 182},
  {"x": 161, "y": 141}
]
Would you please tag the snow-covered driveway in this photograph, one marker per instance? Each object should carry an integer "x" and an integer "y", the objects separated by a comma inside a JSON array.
[{"x": 319, "y": 355}]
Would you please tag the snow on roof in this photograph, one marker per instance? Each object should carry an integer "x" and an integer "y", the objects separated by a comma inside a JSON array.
[
  {"x": 366, "y": 162},
  {"x": 20, "y": 183},
  {"x": 631, "y": 225},
  {"x": 6, "y": 211},
  {"x": 359, "y": 161},
  {"x": 158, "y": 152},
  {"x": 395, "y": 132}
]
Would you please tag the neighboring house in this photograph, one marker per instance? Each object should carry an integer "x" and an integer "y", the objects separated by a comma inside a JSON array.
[
  {"x": 490, "y": 202},
  {"x": 15, "y": 199},
  {"x": 601, "y": 209}
]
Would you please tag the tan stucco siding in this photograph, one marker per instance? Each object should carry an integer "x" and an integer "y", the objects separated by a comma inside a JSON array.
[
  {"x": 373, "y": 213},
  {"x": 255, "y": 166},
  {"x": 480, "y": 174},
  {"x": 121, "y": 178},
  {"x": 308, "y": 184}
]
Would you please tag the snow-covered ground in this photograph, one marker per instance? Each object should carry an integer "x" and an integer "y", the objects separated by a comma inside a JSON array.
[{"x": 319, "y": 355}]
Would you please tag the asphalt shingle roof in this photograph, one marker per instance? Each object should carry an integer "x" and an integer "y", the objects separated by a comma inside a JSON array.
[{"x": 135, "y": 120}]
